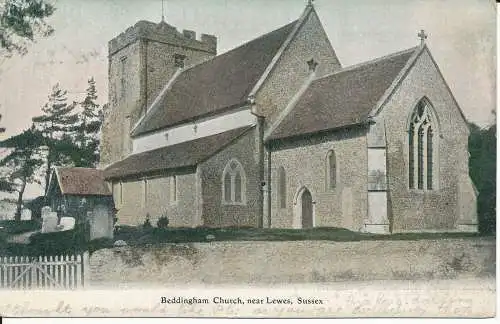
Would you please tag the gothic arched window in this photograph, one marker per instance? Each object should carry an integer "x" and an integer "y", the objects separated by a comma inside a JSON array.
[
  {"x": 420, "y": 147},
  {"x": 331, "y": 170},
  {"x": 282, "y": 187},
  {"x": 233, "y": 184}
]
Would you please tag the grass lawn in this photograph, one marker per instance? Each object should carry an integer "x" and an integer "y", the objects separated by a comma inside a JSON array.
[
  {"x": 62, "y": 242},
  {"x": 139, "y": 235}
]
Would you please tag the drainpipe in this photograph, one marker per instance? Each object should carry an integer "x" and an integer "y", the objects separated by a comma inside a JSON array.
[
  {"x": 260, "y": 123},
  {"x": 269, "y": 187}
]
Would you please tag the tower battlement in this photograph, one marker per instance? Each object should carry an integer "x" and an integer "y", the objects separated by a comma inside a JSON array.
[{"x": 165, "y": 33}]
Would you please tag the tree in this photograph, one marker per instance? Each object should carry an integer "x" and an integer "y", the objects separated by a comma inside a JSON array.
[
  {"x": 21, "y": 163},
  {"x": 91, "y": 118},
  {"x": 21, "y": 21},
  {"x": 2, "y": 129},
  {"x": 57, "y": 126},
  {"x": 482, "y": 166}
]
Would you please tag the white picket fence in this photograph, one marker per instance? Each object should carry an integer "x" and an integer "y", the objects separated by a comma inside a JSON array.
[{"x": 44, "y": 272}]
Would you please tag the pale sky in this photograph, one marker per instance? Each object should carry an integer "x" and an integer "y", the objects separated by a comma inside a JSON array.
[{"x": 461, "y": 37}]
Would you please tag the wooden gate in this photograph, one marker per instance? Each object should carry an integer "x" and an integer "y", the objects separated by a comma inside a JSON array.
[{"x": 44, "y": 272}]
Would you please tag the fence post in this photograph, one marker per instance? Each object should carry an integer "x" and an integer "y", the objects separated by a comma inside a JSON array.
[{"x": 86, "y": 280}]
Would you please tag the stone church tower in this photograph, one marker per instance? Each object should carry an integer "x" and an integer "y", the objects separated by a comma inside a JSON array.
[{"x": 141, "y": 62}]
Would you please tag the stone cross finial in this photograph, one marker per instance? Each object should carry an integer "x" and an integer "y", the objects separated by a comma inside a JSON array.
[
  {"x": 423, "y": 36},
  {"x": 162, "y": 11},
  {"x": 312, "y": 65},
  {"x": 310, "y": 2}
]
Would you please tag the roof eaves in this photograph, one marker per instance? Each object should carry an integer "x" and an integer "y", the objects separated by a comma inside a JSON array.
[
  {"x": 362, "y": 121},
  {"x": 228, "y": 143},
  {"x": 145, "y": 173},
  {"x": 365, "y": 63},
  {"x": 199, "y": 118}
]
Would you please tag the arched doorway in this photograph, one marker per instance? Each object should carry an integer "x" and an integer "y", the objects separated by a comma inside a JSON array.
[
  {"x": 304, "y": 208},
  {"x": 307, "y": 209}
]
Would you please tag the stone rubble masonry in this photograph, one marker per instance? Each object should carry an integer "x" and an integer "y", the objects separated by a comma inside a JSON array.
[
  {"x": 305, "y": 162},
  {"x": 292, "y": 262}
]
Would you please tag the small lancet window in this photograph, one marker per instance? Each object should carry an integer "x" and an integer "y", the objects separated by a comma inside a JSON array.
[
  {"x": 282, "y": 187},
  {"x": 331, "y": 170}
]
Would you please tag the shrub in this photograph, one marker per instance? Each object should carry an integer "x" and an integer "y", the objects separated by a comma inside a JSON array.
[
  {"x": 162, "y": 222},
  {"x": 147, "y": 223},
  {"x": 18, "y": 227},
  {"x": 55, "y": 243}
]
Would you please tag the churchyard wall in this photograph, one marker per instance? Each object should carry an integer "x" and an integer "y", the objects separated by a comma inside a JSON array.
[
  {"x": 292, "y": 262},
  {"x": 453, "y": 201},
  {"x": 305, "y": 163}
]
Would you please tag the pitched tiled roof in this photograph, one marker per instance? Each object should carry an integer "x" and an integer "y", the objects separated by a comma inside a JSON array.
[
  {"x": 175, "y": 156},
  {"x": 342, "y": 99},
  {"x": 82, "y": 181},
  {"x": 221, "y": 82}
]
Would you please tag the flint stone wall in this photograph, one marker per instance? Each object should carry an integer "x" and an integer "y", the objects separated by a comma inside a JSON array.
[{"x": 292, "y": 262}]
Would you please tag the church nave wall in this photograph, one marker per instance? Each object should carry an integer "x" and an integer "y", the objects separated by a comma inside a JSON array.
[
  {"x": 156, "y": 196},
  {"x": 216, "y": 213},
  {"x": 305, "y": 163}
]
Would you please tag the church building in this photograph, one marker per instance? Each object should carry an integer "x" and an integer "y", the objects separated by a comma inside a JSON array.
[{"x": 276, "y": 133}]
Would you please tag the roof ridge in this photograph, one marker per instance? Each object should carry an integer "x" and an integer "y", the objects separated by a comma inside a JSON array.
[
  {"x": 238, "y": 47},
  {"x": 281, "y": 32},
  {"x": 366, "y": 63}
]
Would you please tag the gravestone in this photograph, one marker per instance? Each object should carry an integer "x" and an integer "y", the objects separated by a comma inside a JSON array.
[
  {"x": 101, "y": 222},
  {"x": 45, "y": 211},
  {"x": 26, "y": 214},
  {"x": 49, "y": 220},
  {"x": 66, "y": 223}
]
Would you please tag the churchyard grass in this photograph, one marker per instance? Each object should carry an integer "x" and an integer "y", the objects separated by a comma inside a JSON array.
[{"x": 139, "y": 236}]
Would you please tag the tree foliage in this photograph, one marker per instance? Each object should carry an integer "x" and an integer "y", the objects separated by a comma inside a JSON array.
[
  {"x": 91, "y": 118},
  {"x": 21, "y": 21},
  {"x": 57, "y": 126},
  {"x": 482, "y": 166},
  {"x": 21, "y": 163}
]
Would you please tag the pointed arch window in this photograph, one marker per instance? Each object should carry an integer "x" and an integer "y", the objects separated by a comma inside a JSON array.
[
  {"x": 234, "y": 184},
  {"x": 331, "y": 170},
  {"x": 282, "y": 187},
  {"x": 422, "y": 128}
]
